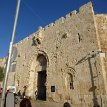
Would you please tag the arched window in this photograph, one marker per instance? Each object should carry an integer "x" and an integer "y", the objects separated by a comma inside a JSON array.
[{"x": 69, "y": 81}]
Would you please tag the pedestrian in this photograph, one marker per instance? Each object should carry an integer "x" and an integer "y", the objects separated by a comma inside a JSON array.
[
  {"x": 66, "y": 104},
  {"x": 10, "y": 100},
  {"x": 5, "y": 97},
  {"x": 25, "y": 102},
  {"x": 23, "y": 94}
]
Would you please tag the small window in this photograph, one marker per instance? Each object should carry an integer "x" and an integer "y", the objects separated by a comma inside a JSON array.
[{"x": 52, "y": 88}]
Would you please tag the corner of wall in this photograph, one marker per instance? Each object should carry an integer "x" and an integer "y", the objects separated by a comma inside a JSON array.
[{"x": 86, "y": 7}]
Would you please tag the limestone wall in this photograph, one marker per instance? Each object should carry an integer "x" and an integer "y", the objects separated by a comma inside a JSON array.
[
  {"x": 71, "y": 48},
  {"x": 101, "y": 21}
]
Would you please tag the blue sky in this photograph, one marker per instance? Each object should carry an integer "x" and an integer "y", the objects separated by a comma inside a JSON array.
[{"x": 35, "y": 13}]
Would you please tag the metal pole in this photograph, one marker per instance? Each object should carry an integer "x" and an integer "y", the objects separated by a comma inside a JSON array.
[{"x": 10, "y": 54}]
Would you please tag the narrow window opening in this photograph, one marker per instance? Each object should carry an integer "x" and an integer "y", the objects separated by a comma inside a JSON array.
[
  {"x": 69, "y": 80},
  {"x": 79, "y": 37}
]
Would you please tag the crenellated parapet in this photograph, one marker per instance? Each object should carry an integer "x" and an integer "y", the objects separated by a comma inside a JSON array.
[{"x": 60, "y": 21}]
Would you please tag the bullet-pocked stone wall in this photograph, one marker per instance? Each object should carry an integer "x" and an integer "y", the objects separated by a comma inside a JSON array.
[{"x": 71, "y": 48}]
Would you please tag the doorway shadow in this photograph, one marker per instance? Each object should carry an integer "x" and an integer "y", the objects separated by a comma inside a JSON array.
[{"x": 41, "y": 94}]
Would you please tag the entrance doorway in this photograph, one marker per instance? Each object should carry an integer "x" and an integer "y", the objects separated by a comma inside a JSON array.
[{"x": 41, "y": 85}]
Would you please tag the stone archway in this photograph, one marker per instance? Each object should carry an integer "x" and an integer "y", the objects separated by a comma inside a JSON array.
[
  {"x": 69, "y": 78},
  {"x": 69, "y": 81},
  {"x": 38, "y": 76},
  {"x": 41, "y": 77}
]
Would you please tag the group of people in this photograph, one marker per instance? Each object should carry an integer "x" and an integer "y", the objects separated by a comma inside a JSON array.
[{"x": 12, "y": 98}]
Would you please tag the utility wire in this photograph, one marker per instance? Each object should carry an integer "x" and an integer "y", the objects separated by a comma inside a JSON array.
[{"x": 33, "y": 12}]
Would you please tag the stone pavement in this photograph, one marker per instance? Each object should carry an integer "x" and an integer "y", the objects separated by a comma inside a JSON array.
[
  {"x": 47, "y": 104},
  {"x": 50, "y": 104},
  {"x": 44, "y": 104}
]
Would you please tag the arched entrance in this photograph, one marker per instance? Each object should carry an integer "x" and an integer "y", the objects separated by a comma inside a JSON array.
[
  {"x": 38, "y": 76},
  {"x": 41, "y": 78}
]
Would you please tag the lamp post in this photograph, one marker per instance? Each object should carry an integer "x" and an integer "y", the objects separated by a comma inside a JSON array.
[{"x": 10, "y": 54}]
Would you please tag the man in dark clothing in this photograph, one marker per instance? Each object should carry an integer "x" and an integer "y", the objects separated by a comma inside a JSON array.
[{"x": 25, "y": 103}]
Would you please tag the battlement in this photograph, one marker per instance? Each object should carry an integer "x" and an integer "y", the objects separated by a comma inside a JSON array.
[
  {"x": 83, "y": 9},
  {"x": 61, "y": 20},
  {"x": 25, "y": 39}
]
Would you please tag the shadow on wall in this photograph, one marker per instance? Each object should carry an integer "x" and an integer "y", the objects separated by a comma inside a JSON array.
[
  {"x": 93, "y": 88},
  {"x": 66, "y": 104}
]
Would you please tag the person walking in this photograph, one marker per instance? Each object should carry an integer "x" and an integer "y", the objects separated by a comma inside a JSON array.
[
  {"x": 24, "y": 91},
  {"x": 5, "y": 97}
]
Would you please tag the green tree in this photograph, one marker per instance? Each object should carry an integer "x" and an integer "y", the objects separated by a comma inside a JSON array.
[{"x": 1, "y": 74}]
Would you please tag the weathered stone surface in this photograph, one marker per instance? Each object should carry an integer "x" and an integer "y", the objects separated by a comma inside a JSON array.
[
  {"x": 70, "y": 49},
  {"x": 101, "y": 21}
]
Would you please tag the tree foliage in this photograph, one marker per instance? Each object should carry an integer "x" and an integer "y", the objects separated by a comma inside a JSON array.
[{"x": 1, "y": 74}]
